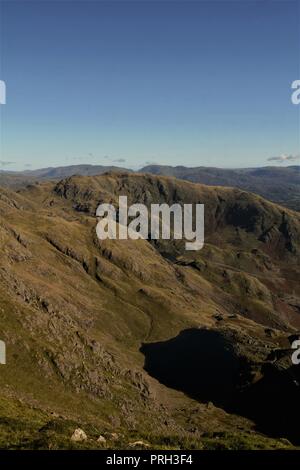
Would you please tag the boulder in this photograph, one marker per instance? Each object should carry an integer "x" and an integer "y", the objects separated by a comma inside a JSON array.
[{"x": 78, "y": 435}]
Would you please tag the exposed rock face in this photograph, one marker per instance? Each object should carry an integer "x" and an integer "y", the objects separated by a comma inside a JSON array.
[{"x": 74, "y": 311}]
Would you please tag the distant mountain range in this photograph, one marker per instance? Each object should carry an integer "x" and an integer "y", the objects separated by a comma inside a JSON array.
[
  {"x": 65, "y": 171},
  {"x": 278, "y": 184}
]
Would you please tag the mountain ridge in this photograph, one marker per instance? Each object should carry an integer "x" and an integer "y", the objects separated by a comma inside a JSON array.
[{"x": 278, "y": 184}]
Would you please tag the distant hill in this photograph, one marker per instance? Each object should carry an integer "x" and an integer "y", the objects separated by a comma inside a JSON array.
[
  {"x": 15, "y": 180},
  {"x": 66, "y": 171},
  {"x": 19, "y": 179},
  {"x": 278, "y": 184}
]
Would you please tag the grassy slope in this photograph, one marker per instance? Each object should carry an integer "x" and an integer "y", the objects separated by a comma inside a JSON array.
[{"x": 74, "y": 313}]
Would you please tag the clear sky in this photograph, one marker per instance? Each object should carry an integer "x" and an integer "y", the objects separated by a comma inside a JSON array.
[{"x": 136, "y": 82}]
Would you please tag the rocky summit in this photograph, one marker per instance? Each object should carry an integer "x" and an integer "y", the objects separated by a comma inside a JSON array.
[{"x": 140, "y": 341}]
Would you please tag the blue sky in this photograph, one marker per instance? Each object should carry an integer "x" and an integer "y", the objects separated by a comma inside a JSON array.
[{"x": 133, "y": 82}]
